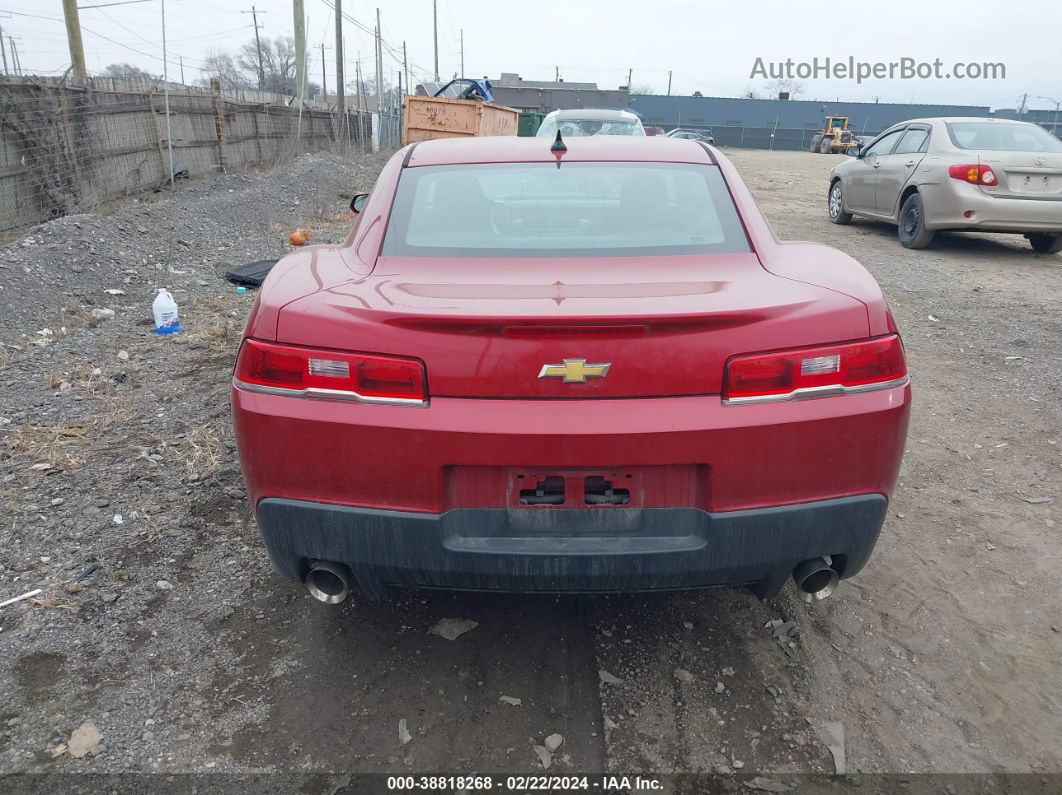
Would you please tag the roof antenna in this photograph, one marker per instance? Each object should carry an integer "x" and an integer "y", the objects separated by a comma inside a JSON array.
[{"x": 558, "y": 148}]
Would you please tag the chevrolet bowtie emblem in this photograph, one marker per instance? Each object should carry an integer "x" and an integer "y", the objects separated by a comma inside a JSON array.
[{"x": 574, "y": 371}]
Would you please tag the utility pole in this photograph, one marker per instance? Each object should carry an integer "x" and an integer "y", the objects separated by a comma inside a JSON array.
[
  {"x": 341, "y": 86},
  {"x": 166, "y": 91},
  {"x": 405, "y": 65},
  {"x": 379, "y": 67},
  {"x": 73, "y": 39},
  {"x": 324, "y": 79},
  {"x": 629, "y": 73},
  {"x": 357, "y": 70},
  {"x": 462, "y": 52},
  {"x": 3, "y": 50},
  {"x": 14, "y": 56},
  {"x": 669, "y": 82},
  {"x": 435, "y": 34},
  {"x": 300, "y": 50},
  {"x": 257, "y": 43},
  {"x": 1054, "y": 125},
  {"x": 181, "y": 59},
  {"x": 1021, "y": 110}
]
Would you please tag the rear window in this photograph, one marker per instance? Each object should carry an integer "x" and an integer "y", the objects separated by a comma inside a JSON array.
[
  {"x": 580, "y": 128},
  {"x": 993, "y": 136},
  {"x": 578, "y": 210}
]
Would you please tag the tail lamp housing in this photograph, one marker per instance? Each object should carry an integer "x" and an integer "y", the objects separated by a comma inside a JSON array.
[
  {"x": 974, "y": 174},
  {"x": 840, "y": 369},
  {"x": 329, "y": 374}
]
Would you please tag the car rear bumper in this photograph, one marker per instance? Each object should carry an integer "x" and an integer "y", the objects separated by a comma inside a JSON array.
[
  {"x": 571, "y": 550},
  {"x": 691, "y": 452},
  {"x": 945, "y": 206}
]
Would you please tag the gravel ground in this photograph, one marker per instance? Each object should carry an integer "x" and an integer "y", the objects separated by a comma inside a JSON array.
[{"x": 162, "y": 625}]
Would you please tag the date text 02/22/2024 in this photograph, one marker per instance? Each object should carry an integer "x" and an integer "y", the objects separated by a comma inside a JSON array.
[{"x": 524, "y": 783}]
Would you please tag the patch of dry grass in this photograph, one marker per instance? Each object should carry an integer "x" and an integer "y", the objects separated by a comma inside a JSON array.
[
  {"x": 63, "y": 445},
  {"x": 216, "y": 322},
  {"x": 58, "y": 446},
  {"x": 201, "y": 450}
]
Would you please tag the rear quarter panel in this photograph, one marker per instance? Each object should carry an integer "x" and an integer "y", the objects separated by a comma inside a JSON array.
[
  {"x": 306, "y": 271},
  {"x": 810, "y": 263}
]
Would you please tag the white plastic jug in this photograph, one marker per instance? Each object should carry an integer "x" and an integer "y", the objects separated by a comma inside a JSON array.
[{"x": 167, "y": 320}]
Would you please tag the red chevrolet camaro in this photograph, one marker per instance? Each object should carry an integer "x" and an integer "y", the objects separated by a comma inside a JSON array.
[{"x": 591, "y": 368}]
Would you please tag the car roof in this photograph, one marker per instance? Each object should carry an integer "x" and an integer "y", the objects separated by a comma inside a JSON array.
[
  {"x": 593, "y": 114},
  {"x": 510, "y": 149},
  {"x": 959, "y": 120}
]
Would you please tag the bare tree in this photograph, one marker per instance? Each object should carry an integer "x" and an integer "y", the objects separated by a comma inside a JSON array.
[
  {"x": 642, "y": 88},
  {"x": 278, "y": 64},
  {"x": 782, "y": 85},
  {"x": 219, "y": 65},
  {"x": 127, "y": 70},
  {"x": 391, "y": 95}
]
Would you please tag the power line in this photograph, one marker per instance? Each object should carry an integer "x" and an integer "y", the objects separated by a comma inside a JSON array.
[{"x": 108, "y": 5}]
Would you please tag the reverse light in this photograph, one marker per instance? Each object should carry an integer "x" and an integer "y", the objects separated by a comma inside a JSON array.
[
  {"x": 338, "y": 375},
  {"x": 975, "y": 175},
  {"x": 816, "y": 372}
]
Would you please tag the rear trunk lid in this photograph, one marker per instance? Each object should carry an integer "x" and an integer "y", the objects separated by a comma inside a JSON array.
[
  {"x": 1025, "y": 175},
  {"x": 608, "y": 328}
]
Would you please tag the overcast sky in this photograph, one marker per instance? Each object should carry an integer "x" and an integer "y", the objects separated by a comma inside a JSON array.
[{"x": 709, "y": 47}]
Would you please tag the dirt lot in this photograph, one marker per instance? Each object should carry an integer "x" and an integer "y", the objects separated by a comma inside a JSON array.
[{"x": 161, "y": 622}]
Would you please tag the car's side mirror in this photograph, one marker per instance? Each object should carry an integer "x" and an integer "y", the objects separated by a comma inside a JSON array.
[
  {"x": 855, "y": 151},
  {"x": 357, "y": 204}
]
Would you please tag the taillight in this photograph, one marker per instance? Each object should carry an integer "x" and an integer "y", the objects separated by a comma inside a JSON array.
[
  {"x": 816, "y": 372},
  {"x": 975, "y": 175},
  {"x": 289, "y": 369}
]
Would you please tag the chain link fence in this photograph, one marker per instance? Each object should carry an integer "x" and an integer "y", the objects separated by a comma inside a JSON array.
[{"x": 69, "y": 147}]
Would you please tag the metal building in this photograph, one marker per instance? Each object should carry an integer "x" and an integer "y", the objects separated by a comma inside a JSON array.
[{"x": 722, "y": 112}]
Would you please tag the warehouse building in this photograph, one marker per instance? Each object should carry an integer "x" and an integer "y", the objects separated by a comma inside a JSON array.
[{"x": 721, "y": 112}]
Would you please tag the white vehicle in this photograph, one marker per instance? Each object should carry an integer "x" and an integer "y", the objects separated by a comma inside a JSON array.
[{"x": 590, "y": 122}]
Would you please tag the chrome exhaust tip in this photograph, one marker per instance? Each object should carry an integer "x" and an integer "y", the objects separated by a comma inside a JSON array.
[
  {"x": 815, "y": 579},
  {"x": 328, "y": 582}
]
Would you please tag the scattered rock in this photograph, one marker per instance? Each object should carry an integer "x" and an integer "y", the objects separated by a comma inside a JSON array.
[
  {"x": 553, "y": 742},
  {"x": 85, "y": 740},
  {"x": 544, "y": 756},
  {"x": 123, "y": 355},
  {"x": 609, "y": 679},
  {"x": 403, "y": 733},
  {"x": 764, "y": 784},
  {"x": 610, "y": 724},
  {"x": 510, "y": 700},
  {"x": 833, "y": 735},
  {"x": 720, "y": 687},
  {"x": 103, "y": 314},
  {"x": 164, "y": 585},
  {"x": 683, "y": 675},
  {"x": 1038, "y": 500},
  {"x": 453, "y": 628}
]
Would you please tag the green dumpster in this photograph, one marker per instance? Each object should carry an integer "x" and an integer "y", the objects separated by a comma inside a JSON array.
[{"x": 529, "y": 123}]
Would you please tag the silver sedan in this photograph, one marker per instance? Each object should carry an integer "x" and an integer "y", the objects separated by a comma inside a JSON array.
[{"x": 956, "y": 174}]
